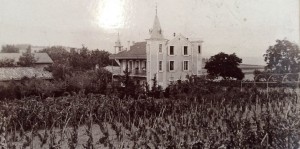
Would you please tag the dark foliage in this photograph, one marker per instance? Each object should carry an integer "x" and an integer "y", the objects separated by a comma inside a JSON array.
[
  {"x": 283, "y": 57},
  {"x": 7, "y": 63},
  {"x": 225, "y": 66},
  {"x": 27, "y": 60}
]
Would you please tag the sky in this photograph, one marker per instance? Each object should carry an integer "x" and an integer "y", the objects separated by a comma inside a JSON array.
[{"x": 244, "y": 27}]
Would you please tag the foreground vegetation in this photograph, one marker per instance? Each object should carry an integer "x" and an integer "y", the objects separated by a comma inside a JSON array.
[{"x": 229, "y": 118}]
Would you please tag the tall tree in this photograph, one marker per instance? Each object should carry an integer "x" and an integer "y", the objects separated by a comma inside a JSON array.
[
  {"x": 80, "y": 60},
  {"x": 10, "y": 49},
  {"x": 283, "y": 57},
  {"x": 129, "y": 87},
  {"x": 100, "y": 58},
  {"x": 225, "y": 66}
]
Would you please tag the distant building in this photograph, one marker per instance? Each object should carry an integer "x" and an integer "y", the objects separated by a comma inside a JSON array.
[
  {"x": 34, "y": 49},
  {"x": 168, "y": 60},
  {"x": 42, "y": 59},
  {"x": 17, "y": 73}
]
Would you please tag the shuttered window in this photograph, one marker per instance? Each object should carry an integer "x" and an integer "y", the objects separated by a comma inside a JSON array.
[
  {"x": 160, "y": 48},
  {"x": 185, "y": 65},
  {"x": 185, "y": 50},
  {"x": 171, "y": 66},
  {"x": 160, "y": 66},
  {"x": 171, "y": 50}
]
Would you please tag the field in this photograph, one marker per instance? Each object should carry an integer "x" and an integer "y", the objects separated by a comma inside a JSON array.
[{"x": 224, "y": 119}]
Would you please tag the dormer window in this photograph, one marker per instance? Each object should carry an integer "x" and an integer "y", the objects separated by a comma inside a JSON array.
[{"x": 171, "y": 50}]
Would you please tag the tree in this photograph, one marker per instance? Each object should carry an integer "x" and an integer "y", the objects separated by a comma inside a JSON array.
[
  {"x": 100, "y": 58},
  {"x": 224, "y": 65},
  {"x": 7, "y": 63},
  {"x": 129, "y": 87},
  {"x": 27, "y": 60},
  {"x": 283, "y": 57},
  {"x": 81, "y": 60},
  {"x": 10, "y": 49}
]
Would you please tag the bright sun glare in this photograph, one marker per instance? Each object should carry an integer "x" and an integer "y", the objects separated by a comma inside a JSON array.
[{"x": 111, "y": 14}]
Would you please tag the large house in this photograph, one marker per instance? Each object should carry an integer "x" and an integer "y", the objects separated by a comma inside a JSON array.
[{"x": 167, "y": 60}]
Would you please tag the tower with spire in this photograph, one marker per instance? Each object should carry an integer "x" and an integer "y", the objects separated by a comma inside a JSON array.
[
  {"x": 156, "y": 51},
  {"x": 118, "y": 46},
  {"x": 166, "y": 60}
]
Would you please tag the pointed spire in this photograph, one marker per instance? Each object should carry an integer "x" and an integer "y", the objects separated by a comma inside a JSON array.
[
  {"x": 156, "y": 9},
  {"x": 118, "y": 46},
  {"x": 118, "y": 42},
  {"x": 156, "y": 32}
]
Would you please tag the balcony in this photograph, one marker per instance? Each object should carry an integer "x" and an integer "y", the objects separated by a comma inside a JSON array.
[{"x": 138, "y": 73}]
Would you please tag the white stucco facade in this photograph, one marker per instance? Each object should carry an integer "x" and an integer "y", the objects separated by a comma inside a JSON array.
[
  {"x": 168, "y": 60},
  {"x": 177, "y": 58}
]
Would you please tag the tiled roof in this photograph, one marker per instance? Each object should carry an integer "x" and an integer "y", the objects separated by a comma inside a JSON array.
[
  {"x": 17, "y": 73},
  {"x": 42, "y": 58},
  {"x": 137, "y": 51}
]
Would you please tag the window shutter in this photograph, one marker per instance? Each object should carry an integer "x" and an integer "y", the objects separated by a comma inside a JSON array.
[
  {"x": 188, "y": 65},
  {"x": 168, "y": 65}
]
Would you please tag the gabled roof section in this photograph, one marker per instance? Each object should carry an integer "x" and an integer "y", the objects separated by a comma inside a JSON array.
[
  {"x": 177, "y": 38},
  {"x": 42, "y": 58},
  {"x": 156, "y": 32},
  {"x": 137, "y": 51}
]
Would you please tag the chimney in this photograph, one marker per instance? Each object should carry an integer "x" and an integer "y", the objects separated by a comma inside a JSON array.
[
  {"x": 128, "y": 42},
  {"x": 174, "y": 34}
]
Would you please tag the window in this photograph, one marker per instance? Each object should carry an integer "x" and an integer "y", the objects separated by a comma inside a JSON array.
[
  {"x": 137, "y": 65},
  {"x": 160, "y": 66},
  {"x": 160, "y": 48},
  {"x": 185, "y": 65},
  {"x": 199, "y": 49},
  {"x": 171, "y": 50},
  {"x": 185, "y": 50},
  {"x": 171, "y": 66}
]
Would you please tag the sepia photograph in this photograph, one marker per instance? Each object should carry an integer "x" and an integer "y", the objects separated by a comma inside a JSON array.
[{"x": 149, "y": 74}]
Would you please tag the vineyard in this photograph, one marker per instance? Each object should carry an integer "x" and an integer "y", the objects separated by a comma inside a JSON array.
[{"x": 225, "y": 119}]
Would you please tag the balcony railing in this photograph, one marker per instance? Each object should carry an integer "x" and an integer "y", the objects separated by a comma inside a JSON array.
[{"x": 138, "y": 72}]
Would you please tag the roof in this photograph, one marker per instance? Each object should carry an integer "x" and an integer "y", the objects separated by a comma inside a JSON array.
[
  {"x": 42, "y": 58},
  {"x": 137, "y": 51},
  {"x": 115, "y": 70},
  {"x": 250, "y": 66},
  {"x": 156, "y": 32},
  {"x": 244, "y": 66},
  {"x": 17, "y": 73}
]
